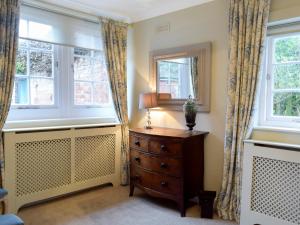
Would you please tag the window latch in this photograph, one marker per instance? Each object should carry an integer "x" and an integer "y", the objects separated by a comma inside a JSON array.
[{"x": 268, "y": 76}]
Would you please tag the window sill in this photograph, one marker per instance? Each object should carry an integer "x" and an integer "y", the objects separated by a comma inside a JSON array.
[
  {"x": 277, "y": 129},
  {"x": 54, "y": 124}
]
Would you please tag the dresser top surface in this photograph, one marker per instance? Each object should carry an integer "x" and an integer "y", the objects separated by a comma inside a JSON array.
[{"x": 168, "y": 132}]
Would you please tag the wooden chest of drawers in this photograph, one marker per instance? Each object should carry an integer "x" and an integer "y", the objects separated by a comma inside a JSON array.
[{"x": 167, "y": 163}]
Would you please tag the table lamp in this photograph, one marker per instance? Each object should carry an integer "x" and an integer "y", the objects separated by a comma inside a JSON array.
[{"x": 148, "y": 101}]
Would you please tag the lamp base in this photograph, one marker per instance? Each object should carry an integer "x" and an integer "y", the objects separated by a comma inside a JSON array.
[{"x": 148, "y": 125}]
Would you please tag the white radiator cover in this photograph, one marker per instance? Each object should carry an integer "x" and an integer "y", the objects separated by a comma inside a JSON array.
[
  {"x": 46, "y": 164},
  {"x": 270, "y": 184}
]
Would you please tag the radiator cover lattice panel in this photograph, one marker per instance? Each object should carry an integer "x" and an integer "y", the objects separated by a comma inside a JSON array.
[
  {"x": 42, "y": 165},
  {"x": 275, "y": 189},
  {"x": 94, "y": 156}
]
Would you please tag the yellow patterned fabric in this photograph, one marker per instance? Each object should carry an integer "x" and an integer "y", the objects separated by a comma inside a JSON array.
[
  {"x": 9, "y": 32},
  {"x": 115, "y": 45},
  {"x": 247, "y": 30}
]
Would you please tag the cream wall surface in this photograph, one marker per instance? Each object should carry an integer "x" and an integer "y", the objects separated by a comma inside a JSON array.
[{"x": 207, "y": 22}]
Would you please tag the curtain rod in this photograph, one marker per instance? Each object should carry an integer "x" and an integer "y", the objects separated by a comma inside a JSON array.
[{"x": 60, "y": 10}]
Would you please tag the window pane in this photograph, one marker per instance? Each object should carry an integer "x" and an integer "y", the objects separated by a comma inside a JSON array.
[
  {"x": 175, "y": 91},
  {"x": 174, "y": 71},
  {"x": 83, "y": 93},
  {"x": 41, "y": 64},
  {"x": 286, "y": 104},
  {"x": 22, "y": 43},
  {"x": 20, "y": 92},
  {"x": 21, "y": 62},
  {"x": 41, "y": 45},
  {"x": 101, "y": 93},
  {"x": 287, "y": 76},
  {"x": 42, "y": 91},
  {"x": 163, "y": 68},
  {"x": 287, "y": 49},
  {"x": 99, "y": 71},
  {"x": 82, "y": 68}
]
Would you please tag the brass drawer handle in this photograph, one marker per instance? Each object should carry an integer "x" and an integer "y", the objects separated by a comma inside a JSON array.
[
  {"x": 163, "y": 148},
  {"x": 164, "y": 184},
  {"x": 163, "y": 165},
  {"x": 137, "y": 159},
  {"x": 137, "y": 143}
]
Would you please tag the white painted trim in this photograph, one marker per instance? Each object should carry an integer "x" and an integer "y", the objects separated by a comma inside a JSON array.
[
  {"x": 33, "y": 125},
  {"x": 266, "y": 117},
  {"x": 277, "y": 129}
]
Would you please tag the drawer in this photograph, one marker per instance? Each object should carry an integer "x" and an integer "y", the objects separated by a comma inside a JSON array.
[
  {"x": 138, "y": 142},
  {"x": 160, "y": 164},
  {"x": 157, "y": 182},
  {"x": 166, "y": 184},
  {"x": 165, "y": 147},
  {"x": 138, "y": 176}
]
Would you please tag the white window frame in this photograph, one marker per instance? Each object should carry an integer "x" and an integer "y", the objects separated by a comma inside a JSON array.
[
  {"x": 266, "y": 117},
  {"x": 72, "y": 82},
  {"x": 63, "y": 107},
  {"x": 55, "y": 80}
]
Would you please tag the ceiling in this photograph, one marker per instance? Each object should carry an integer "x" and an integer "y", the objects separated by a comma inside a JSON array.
[{"x": 128, "y": 10}]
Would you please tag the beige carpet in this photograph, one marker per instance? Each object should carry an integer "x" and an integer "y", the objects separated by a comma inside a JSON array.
[{"x": 108, "y": 205}]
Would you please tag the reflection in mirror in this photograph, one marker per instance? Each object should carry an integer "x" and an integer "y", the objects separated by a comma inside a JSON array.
[
  {"x": 180, "y": 72},
  {"x": 177, "y": 78}
]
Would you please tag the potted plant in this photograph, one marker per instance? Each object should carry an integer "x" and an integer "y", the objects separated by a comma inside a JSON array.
[{"x": 190, "y": 111}]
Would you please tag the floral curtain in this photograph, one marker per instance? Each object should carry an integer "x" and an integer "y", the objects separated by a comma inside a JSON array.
[
  {"x": 115, "y": 45},
  {"x": 247, "y": 30},
  {"x": 194, "y": 75},
  {"x": 9, "y": 32}
]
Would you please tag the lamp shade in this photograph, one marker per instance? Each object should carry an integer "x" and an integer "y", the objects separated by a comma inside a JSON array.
[
  {"x": 164, "y": 96},
  {"x": 147, "y": 100}
]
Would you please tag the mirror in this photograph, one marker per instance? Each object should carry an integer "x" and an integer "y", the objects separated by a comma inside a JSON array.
[{"x": 178, "y": 73}]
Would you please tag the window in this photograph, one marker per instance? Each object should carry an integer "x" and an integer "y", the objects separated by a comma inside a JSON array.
[
  {"x": 35, "y": 76},
  {"x": 281, "y": 104},
  {"x": 45, "y": 87},
  {"x": 61, "y": 76},
  {"x": 91, "y": 86}
]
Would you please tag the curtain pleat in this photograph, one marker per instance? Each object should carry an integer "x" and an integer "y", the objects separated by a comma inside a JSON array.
[
  {"x": 115, "y": 47},
  {"x": 247, "y": 30},
  {"x": 9, "y": 32}
]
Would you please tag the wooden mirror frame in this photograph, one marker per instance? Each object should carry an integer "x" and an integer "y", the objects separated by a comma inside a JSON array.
[{"x": 203, "y": 52}]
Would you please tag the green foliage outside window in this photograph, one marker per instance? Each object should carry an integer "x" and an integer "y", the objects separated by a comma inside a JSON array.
[{"x": 286, "y": 75}]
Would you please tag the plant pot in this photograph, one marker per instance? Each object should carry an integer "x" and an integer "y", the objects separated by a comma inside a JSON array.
[
  {"x": 190, "y": 118},
  {"x": 190, "y": 112}
]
